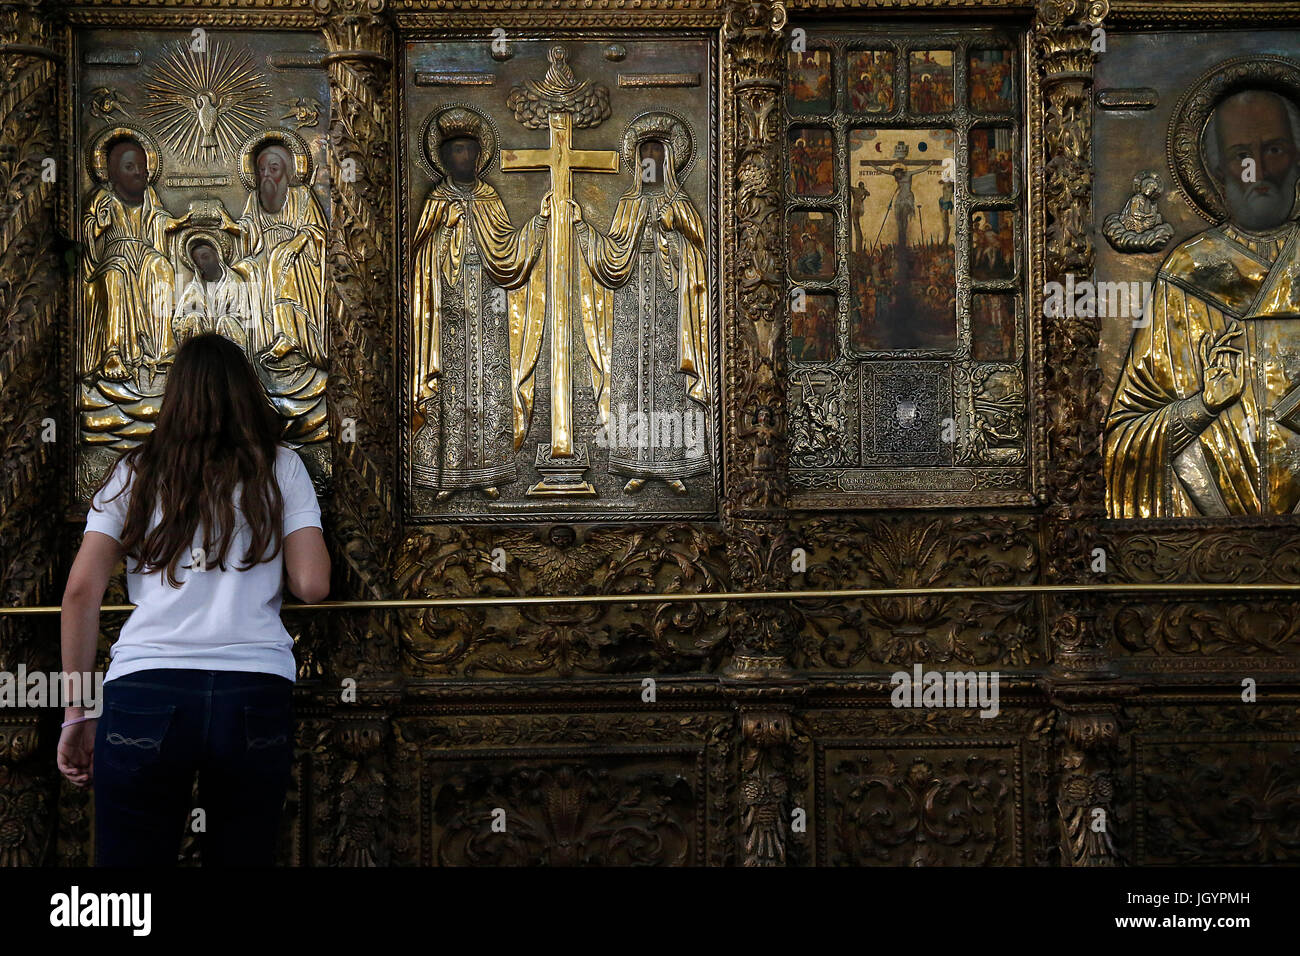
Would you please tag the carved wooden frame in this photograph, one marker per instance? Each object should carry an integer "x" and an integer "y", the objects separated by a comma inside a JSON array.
[{"x": 741, "y": 672}]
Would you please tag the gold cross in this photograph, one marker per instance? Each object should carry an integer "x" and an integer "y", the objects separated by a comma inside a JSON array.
[{"x": 562, "y": 160}]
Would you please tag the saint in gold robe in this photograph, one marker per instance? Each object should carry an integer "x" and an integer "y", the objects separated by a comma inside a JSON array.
[
  {"x": 1166, "y": 454},
  {"x": 478, "y": 291},
  {"x": 283, "y": 254},
  {"x": 128, "y": 281},
  {"x": 283, "y": 263}
]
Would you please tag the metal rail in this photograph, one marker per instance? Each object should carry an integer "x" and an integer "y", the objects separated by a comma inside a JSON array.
[{"x": 507, "y": 600}]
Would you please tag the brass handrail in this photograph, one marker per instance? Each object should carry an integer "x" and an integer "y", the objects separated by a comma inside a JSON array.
[{"x": 510, "y": 600}]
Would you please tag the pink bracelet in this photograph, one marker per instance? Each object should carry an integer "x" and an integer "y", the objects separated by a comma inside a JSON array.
[{"x": 77, "y": 720}]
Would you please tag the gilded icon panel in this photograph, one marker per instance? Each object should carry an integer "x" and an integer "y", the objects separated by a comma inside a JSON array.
[
  {"x": 201, "y": 206},
  {"x": 1195, "y": 290},
  {"x": 560, "y": 280}
]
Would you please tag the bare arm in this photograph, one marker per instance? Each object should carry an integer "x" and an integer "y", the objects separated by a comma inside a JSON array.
[
  {"x": 84, "y": 592},
  {"x": 79, "y": 628},
  {"x": 307, "y": 564}
]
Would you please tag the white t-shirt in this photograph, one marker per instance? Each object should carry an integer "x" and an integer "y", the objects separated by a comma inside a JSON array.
[{"x": 216, "y": 620}]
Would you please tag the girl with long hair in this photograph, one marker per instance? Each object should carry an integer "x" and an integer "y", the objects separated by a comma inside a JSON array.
[{"x": 214, "y": 515}]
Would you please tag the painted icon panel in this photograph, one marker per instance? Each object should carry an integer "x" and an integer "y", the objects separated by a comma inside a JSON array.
[{"x": 903, "y": 266}]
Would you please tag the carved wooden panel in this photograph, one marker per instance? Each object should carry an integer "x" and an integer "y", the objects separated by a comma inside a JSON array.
[
  {"x": 927, "y": 788},
  {"x": 579, "y": 789},
  {"x": 1214, "y": 783},
  {"x": 903, "y": 551}
]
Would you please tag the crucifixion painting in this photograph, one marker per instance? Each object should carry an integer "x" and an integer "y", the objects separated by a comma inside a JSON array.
[
  {"x": 563, "y": 333},
  {"x": 903, "y": 262}
]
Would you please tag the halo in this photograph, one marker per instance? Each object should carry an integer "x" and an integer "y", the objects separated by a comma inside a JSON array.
[
  {"x": 1187, "y": 127},
  {"x": 431, "y": 140},
  {"x": 278, "y": 135},
  {"x": 652, "y": 125},
  {"x": 190, "y": 236},
  {"x": 105, "y": 139}
]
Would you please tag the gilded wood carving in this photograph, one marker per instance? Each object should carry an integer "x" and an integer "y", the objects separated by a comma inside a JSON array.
[{"x": 420, "y": 172}]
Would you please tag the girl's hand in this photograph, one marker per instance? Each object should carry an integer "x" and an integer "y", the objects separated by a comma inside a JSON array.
[{"x": 76, "y": 754}]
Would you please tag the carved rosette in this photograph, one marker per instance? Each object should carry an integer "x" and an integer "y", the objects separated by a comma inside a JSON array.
[
  {"x": 758, "y": 541},
  {"x": 32, "y": 416}
]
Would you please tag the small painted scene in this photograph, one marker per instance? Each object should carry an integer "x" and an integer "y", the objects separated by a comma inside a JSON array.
[
  {"x": 993, "y": 327},
  {"x": 812, "y": 328},
  {"x": 810, "y": 81},
  {"x": 871, "y": 81},
  {"x": 931, "y": 81},
  {"x": 812, "y": 244},
  {"x": 812, "y": 161},
  {"x": 902, "y": 246},
  {"x": 992, "y": 82},
  {"x": 992, "y": 244},
  {"x": 990, "y": 161}
]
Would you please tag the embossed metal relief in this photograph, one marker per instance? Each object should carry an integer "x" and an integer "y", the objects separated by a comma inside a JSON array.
[
  {"x": 1201, "y": 419},
  {"x": 1139, "y": 227},
  {"x": 198, "y": 210},
  {"x": 766, "y": 707},
  {"x": 563, "y": 316},
  {"x": 907, "y": 337}
]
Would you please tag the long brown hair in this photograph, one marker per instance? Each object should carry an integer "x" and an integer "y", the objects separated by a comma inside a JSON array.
[{"x": 215, "y": 429}]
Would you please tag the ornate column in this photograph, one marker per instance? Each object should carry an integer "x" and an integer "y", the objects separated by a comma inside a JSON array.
[
  {"x": 362, "y": 521},
  {"x": 33, "y": 416},
  {"x": 764, "y": 785},
  {"x": 1080, "y": 681},
  {"x": 1088, "y": 743},
  {"x": 1063, "y": 38},
  {"x": 360, "y": 259},
  {"x": 759, "y": 544}
]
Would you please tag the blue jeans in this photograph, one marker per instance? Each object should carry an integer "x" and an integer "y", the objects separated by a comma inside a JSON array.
[{"x": 157, "y": 730}]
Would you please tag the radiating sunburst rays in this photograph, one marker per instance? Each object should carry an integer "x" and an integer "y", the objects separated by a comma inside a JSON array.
[{"x": 205, "y": 104}]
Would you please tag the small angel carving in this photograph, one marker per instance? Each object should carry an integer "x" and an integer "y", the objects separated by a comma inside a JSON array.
[{"x": 1139, "y": 227}]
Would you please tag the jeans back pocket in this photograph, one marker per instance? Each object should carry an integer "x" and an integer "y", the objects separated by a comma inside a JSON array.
[
  {"x": 134, "y": 735},
  {"x": 267, "y": 727}
]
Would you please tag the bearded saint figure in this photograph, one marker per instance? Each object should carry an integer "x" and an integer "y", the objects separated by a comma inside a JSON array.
[
  {"x": 652, "y": 305},
  {"x": 1204, "y": 419},
  {"x": 280, "y": 243},
  {"x": 282, "y": 253}
]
